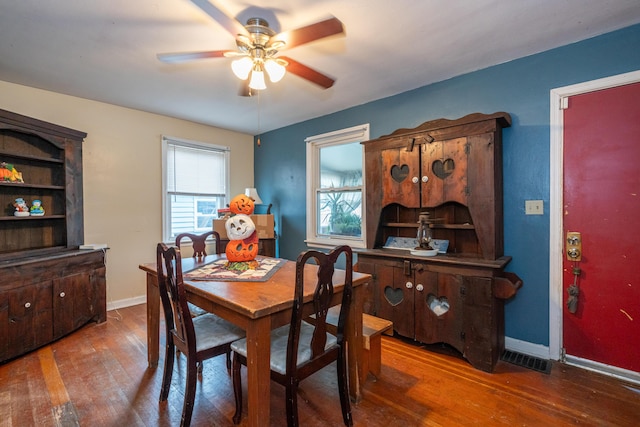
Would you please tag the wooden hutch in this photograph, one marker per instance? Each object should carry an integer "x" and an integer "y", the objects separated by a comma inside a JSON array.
[
  {"x": 48, "y": 287},
  {"x": 451, "y": 169}
]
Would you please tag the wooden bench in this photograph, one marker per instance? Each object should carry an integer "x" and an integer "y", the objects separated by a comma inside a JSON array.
[{"x": 372, "y": 329}]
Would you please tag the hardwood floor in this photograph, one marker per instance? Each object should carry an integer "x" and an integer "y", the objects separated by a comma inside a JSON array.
[{"x": 98, "y": 376}]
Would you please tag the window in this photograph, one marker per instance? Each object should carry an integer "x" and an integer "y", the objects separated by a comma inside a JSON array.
[
  {"x": 335, "y": 188},
  {"x": 195, "y": 184}
]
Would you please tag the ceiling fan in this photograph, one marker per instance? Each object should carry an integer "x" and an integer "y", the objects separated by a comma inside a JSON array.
[{"x": 257, "y": 49}]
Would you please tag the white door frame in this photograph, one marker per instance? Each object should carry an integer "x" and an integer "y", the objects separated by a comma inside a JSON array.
[{"x": 558, "y": 101}]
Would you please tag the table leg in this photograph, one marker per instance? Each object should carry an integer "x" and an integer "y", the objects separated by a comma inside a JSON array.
[
  {"x": 153, "y": 320},
  {"x": 355, "y": 343},
  {"x": 259, "y": 371}
]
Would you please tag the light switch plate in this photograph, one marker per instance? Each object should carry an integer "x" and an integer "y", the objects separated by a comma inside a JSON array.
[{"x": 533, "y": 207}]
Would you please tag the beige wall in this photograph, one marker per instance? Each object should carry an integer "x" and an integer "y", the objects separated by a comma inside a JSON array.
[{"x": 122, "y": 174}]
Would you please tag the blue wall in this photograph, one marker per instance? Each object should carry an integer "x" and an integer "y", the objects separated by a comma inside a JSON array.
[{"x": 521, "y": 88}]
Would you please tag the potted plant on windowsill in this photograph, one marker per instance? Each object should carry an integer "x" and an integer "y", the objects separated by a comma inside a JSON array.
[{"x": 342, "y": 219}]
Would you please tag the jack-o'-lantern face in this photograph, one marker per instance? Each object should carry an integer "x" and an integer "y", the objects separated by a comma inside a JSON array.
[
  {"x": 239, "y": 227},
  {"x": 240, "y": 251},
  {"x": 242, "y": 204}
]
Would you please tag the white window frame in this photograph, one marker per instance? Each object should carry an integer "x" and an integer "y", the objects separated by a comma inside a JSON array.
[
  {"x": 166, "y": 211},
  {"x": 314, "y": 144}
]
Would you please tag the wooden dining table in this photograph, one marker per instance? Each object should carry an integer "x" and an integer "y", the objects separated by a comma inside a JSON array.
[{"x": 259, "y": 307}]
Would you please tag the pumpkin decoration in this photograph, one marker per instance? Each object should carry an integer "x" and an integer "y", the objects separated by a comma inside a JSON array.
[
  {"x": 8, "y": 173},
  {"x": 242, "y": 250},
  {"x": 241, "y": 231},
  {"x": 239, "y": 227},
  {"x": 242, "y": 204}
]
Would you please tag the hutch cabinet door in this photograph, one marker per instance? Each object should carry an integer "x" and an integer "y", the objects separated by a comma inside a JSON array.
[
  {"x": 26, "y": 316},
  {"x": 439, "y": 309},
  {"x": 396, "y": 291},
  {"x": 444, "y": 166},
  {"x": 401, "y": 177},
  {"x": 75, "y": 302}
]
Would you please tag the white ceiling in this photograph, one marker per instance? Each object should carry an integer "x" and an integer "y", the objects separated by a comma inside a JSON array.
[{"x": 105, "y": 50}]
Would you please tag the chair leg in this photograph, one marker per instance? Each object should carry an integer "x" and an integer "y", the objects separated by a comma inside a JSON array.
[
  {"x": 292, "y": 403},
  {"x": 229, "y": 362},
  {"x": 169, "y": 357},
  {"x": 343, "y": 388},
  {"x": 189, "y": 391},
  {"x": 237, "y": 388}
]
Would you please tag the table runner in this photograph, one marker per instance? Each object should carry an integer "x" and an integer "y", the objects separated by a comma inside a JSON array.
[{"x": 223, "y": 270}]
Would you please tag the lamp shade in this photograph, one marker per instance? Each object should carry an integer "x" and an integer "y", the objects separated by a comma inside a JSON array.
[
  {"x": 275, "y": 70},
  {"x": 253, "y": 193},
  {"x": 257, "y": 80},
  {"x": 242, "y": 67}
]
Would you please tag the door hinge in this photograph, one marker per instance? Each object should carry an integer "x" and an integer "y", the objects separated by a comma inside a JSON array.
[
  {"x": 467, "y": 148},
  {"x": 563, "y": 354}
]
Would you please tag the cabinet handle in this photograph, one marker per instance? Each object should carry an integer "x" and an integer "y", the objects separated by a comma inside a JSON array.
[
  {"x": 419, "y": 287},
  {"x": 62, "y": 294},
  {"x": 27, "y": 305},
  {"x": 415, "y": 180},
  {"x": 409, "y": 285},
  {"x": 425, "y": 178}
]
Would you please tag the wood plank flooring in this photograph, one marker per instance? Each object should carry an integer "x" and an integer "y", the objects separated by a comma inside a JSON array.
[{"x": 98, "y": 376}]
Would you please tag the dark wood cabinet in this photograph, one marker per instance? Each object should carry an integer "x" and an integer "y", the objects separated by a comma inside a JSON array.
[
  {"x": 47, "y": 297},
  {"x": 450, "y": 168},
  {"x": 48, "y": 287},
  {"x": 453, "y": 170}
]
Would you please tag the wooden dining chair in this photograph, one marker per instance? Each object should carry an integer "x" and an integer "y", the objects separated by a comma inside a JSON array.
[
  {"x": 198, "y": 338},
  {"x": 199, "y": 242},
  {"x": 300, "y": 349}
]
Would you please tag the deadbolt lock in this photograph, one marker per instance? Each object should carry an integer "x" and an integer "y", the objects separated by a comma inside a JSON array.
[{"x": 574, "y": 246}]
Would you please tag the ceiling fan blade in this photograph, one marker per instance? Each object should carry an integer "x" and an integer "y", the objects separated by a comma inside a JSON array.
[
  {"x": 307, "y": 73},
  {"x": 174, "y": 58},
  {"x": 319, "y": 30},
  {"x": 233, "y": 26}
]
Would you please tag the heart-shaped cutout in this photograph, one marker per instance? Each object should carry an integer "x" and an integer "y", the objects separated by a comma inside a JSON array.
[
  {"x": 399, "y": 173},
  {"x": 443, "y": 169},
  {"x": 438, "y": 305},
  {"x": 393, "y": 296}
]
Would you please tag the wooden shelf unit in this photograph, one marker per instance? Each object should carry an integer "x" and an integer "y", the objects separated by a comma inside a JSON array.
[
  {"x": 453, "y": 170},
  {"x": 48, "y": 287}
]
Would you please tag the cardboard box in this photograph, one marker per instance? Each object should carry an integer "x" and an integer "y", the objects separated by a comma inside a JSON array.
[{"x": 264, "y": 226}]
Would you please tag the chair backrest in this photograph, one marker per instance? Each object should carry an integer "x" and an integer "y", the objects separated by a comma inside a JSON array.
[
  {"x": 199, "y": 242},
  {"x": 174, "y": 299},
  {"x": 321, "y": 301}
]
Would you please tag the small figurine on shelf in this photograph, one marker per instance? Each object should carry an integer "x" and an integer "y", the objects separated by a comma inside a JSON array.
[
  {"x": 36, "y": 208},
  {"x": 21, "y": 207},
  {"x": 9, "y": 174}
]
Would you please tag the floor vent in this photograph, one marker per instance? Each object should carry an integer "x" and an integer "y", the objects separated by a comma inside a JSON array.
[{"x": 525, "y": 361}]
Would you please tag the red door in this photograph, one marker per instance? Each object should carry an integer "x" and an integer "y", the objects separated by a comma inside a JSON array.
[{"x": 602, "y": 202}]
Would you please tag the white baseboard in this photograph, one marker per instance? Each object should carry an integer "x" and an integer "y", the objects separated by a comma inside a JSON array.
[
  {"x": 525, "y": 347},
  {"x": 543, "y": 352},
  {"x": 601, "y": 368},
  {"x": 114, "y": 305}
]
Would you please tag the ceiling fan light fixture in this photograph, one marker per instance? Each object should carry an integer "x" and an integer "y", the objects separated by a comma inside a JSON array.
[
  {"x": 257, "y": 79},
  {"x": 242, "y": 67},
  {"x": 275, "y": 70}
]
